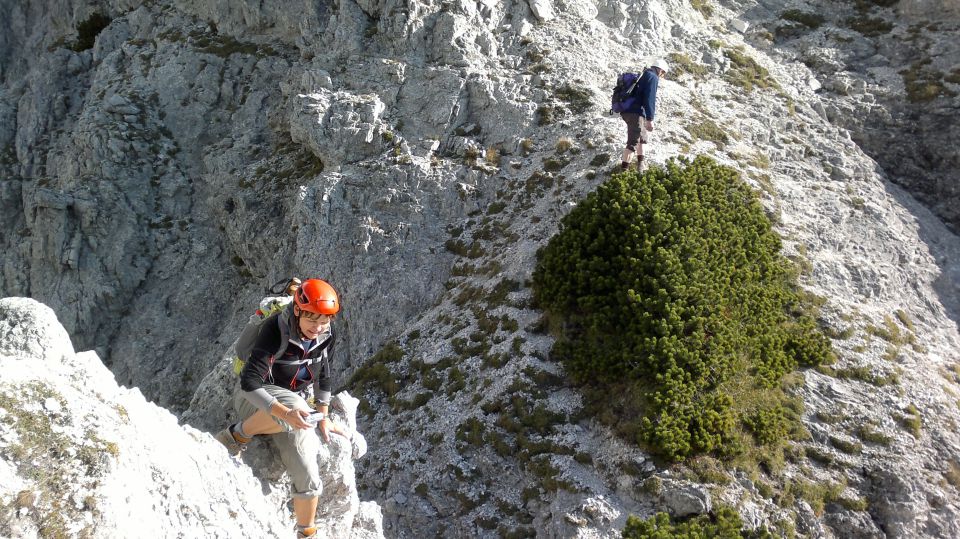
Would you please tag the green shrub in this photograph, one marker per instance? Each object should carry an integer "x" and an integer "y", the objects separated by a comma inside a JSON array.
[
  {"x": 810, "y": 20},
  {"x": 767, "y": 426},
  {"x": 553, "y": 164},
  {"x": 600, "y": 159},
  {"x": 546, "y": 115},
  {"x": 88, "y": 30},
  {"x": 674, "y": 299},
  {"x": 471, "y": 432},
  {"x": 390, "y": 353},
  {"x": 724, "y": 522},
  {"x": 375, "y": 376},
  {"x": 866, "y": 5}
]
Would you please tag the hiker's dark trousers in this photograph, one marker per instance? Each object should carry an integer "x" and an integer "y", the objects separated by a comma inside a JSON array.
[{"x": 635, "y": 129}]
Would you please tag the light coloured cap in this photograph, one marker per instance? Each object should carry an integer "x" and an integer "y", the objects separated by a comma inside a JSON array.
[{"x": 662, "y": 64}]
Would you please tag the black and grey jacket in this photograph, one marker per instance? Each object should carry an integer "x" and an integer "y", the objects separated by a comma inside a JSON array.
[{"x": 265, "y": 368}]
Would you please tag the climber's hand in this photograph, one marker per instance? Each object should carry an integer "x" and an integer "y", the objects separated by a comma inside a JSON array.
[
  {"x": 297, "y": 418},
  {"x": 326, "y": 427}
]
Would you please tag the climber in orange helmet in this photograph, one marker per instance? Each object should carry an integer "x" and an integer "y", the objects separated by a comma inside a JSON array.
[{"x": 291, "y": 354}]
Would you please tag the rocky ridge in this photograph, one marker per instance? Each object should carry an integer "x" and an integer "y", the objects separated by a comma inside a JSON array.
[
  {"x": 361, "y": 140},
  {"x": 81, "y": 456}
]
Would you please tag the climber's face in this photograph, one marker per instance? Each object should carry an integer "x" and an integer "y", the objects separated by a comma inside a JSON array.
[{"x": 311, "y": 325}]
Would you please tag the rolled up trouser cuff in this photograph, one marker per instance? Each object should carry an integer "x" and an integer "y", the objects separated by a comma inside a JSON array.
[
  {"x": 298, "y": 448},
  {"x": 298, "y": 451}
]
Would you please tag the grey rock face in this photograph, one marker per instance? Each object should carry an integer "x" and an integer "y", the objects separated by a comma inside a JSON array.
[
  {"x": 895, "y": 86},
  {"x": 409, "y": 152},
  {"x": 54, "y": 400}
]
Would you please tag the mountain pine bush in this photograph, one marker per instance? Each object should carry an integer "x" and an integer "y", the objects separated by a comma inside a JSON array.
[
  {"x": 675, "y": 310},
  {"x": 725, "y": 523}
]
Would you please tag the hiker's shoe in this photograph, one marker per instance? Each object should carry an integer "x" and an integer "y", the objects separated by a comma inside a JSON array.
[
  {"x": 307, "y": 533},
  {"x": 624, "y": 165},
  {"x": 234, "y": 448}
]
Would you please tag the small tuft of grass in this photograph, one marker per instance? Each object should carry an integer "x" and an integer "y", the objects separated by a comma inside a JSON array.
[
  {"x": 912, "y": 421},
  {"x": 49, "y": 461},
  {"x": 564, "y": 145},
  {"x": 526, "y": 146},
  {"x": 923, "y": 84},
  {"x": 847, "y": 446},
  {"x": 706, "y": 129},
  {"x": 492, "y": 157},
  {"x": 578, "y": 99},
  {"x": 830, "y": 418},
  {"x": 891, "y": 332},
  {"x": 868, "y": 433},
  {"x": 862, "y": 373},
  {"x": 703, "y": 7},
  {"x": 747, "y": 73},
  {"x": 952, "y": 475},
  {"x": 681, "y": 64},
  {"x": 869, "y": 26},
  {"x": 818, "y": 494}
]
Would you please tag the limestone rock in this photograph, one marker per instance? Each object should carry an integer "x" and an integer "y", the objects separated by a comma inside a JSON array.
[
  {"x": 684, "y": 500},
  {"x": 542, "y": 9},
  {"x": 153, "y": 184},
  {"x": 53, "y": 398},
  {"x": 104, "y": 435}
]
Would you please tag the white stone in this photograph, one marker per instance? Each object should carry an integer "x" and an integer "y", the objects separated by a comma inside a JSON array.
[
  {"x": 740, "y": 25},
  {"x": 542, "y": 9}
]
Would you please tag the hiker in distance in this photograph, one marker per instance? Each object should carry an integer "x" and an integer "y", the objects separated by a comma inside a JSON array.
[
  {"x": 291, "y": 352},
  {"x": 640, "y": 106}
]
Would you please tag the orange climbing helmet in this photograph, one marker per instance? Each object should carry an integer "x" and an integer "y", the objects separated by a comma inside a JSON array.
[{"x": 317, "y": 296}]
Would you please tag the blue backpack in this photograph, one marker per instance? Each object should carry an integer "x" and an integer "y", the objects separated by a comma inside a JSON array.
[{"x": 622, "y": 100}]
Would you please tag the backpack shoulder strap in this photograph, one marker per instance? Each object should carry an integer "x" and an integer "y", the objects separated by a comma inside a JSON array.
[
  {"x": 284, "y": 319},
  {"x": 635, "y": 82}
]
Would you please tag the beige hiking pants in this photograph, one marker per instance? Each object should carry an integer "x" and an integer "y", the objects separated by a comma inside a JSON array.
[{"x": 299, "y": 448}]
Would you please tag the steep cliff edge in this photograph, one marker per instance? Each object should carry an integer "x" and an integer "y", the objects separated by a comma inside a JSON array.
[{"x": 81, "y": 456}]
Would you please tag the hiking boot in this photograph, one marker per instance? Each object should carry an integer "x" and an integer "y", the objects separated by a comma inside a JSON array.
[
  {"x": 234, "y": 448},
  {"x": 307, "y": 533}
]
